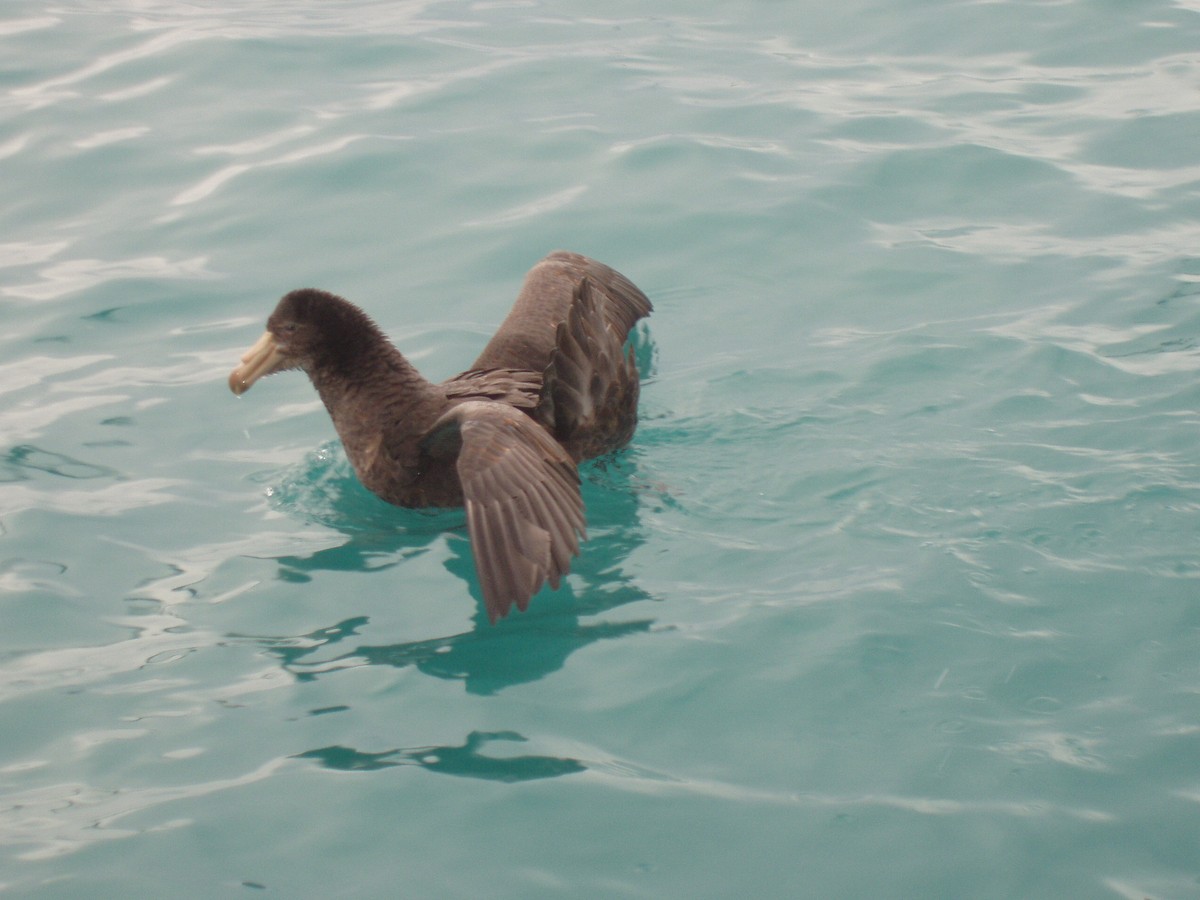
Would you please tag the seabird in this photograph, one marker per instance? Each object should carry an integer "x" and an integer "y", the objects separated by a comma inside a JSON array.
[{"x": 554, "y": 386}]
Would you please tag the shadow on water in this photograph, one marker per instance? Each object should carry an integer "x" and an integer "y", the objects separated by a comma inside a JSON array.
[
  {"x": 25, "y": 461},
  {"x": 519, "y": 649},
  {"x": 466, "y": 760}
]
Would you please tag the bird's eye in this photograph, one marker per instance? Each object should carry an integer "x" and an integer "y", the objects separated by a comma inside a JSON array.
[{"x": 288, "y": 328}]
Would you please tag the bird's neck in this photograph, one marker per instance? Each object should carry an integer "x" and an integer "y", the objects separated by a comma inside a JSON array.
[
  {"x": 379, "y": 384},
  {"x": 377, "y": 371}
]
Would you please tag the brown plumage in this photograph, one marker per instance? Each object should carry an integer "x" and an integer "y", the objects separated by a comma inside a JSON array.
[{"x": 554, "y": 386}]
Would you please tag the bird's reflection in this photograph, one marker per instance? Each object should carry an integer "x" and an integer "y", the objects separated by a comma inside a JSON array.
[
  {"x": 519, "y": 649},
  {"x": 466, "y": 760}
]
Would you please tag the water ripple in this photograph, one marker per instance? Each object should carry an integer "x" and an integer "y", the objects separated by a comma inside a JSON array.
[
  {"x": 70, "y": 667},
  {"x": 67, "y": 817},
  {"x": 224, "y": 175},
  {"x": 33, "y": 23},
  {"x": 110, "y": 500},
  {"x": 61, "y": 87},
  {"x": 75, "y": 275}
]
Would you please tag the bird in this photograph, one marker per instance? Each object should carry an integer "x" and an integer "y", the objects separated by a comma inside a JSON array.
[{"x": 557, "y": 384}]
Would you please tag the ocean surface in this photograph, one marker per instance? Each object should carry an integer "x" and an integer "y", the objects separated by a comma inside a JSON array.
[{"x": 895, "y": 594}]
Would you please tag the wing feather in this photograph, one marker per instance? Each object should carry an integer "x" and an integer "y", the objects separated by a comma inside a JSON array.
[
  {"x": 590, "y": 387},
  {"x": 521, "y": 493}
]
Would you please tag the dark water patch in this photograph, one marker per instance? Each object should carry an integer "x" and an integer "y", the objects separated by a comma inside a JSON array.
[
  {"x": 22, "y": 461},
  {"x": 464, "y": 760},
  {"x": 326, "y": 710},
  {"x": 487, "y": 659}
]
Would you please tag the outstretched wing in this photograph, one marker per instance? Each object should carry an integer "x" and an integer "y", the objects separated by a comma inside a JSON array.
[
  {"x": 590, "y": 388},
  {"x": 521, "y": 492},
  {"x": 526, "y": 338}
]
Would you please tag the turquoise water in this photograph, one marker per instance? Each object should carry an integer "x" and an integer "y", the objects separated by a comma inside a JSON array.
[{"x": 894, "y": 594}]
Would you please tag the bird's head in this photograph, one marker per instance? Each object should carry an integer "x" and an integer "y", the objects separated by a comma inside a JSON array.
[{"x": 308, "y": 329}]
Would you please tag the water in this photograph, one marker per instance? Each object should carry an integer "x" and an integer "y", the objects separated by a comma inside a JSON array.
[{"x": 894, "y": 595}]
